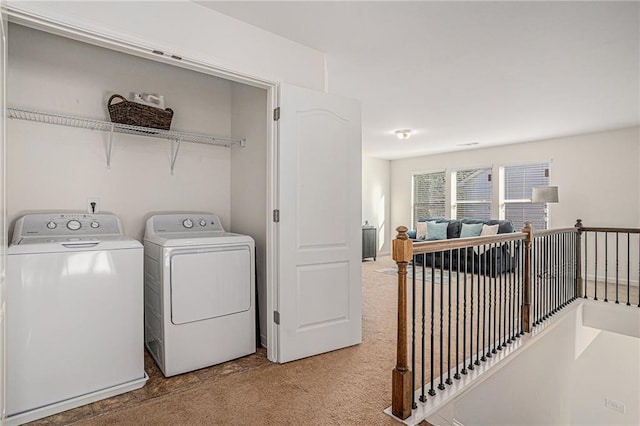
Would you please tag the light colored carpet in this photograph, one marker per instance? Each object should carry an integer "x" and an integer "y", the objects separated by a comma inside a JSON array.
[{"x": 347, "y": 387}]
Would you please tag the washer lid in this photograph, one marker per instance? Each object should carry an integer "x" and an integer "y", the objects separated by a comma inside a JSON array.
[
  {"x": 180, "y": 239},
  {"x": 32, "y": 245}
]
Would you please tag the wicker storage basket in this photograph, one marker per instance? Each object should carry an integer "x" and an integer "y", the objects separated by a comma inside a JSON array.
[{"x": 135, "y": 114}]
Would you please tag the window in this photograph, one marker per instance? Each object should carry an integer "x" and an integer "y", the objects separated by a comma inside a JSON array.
[
  {"x": 472, "y": 194},
  {"x": 428, "y": 195},
  {"x": 518, "y": 183}
]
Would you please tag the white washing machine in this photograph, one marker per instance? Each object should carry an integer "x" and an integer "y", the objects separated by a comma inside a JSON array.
[
  {"x": 74, "y": 314},
  {"x": 199, "y": 292}
]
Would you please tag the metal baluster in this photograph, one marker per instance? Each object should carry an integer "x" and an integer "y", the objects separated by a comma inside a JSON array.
[
  {"x": 606, "y": 266},
  {"x": 496, "y": 301},
  {"x": 448, "y": 381},
  {"x": 499, "y": 284},
  {"x": 505, "y": 266},
  {"x": 595, "y": 267},
  {"x": 457, "y": 375},
  {"x": 432, "y": 391},
  {"x": 586, "y": 258},
  {"x": 536, "y": 262},
  {"x": 559, "y": 269},
  {"x": 423, "y": 397},
  {"x": 547, "y": 286},
  {"x": 470, "y": 366},
  {"x": 617, "y": 266},
  {"x": 574, "y": 266},
  {"x": 464, "y": 314},
  {"x": 509, "y": 311},
  {"x": 629, "y": 268},
  {"x": 478, "y": 313},
  {"x": 413, "y": 331},
  {"x": 441, "y": 385},
  {"x": 555, "y": 245},
  {"x": 483, "y": 267},
  {"x": 520, "y": 291},
  {"x": 493, "y": 290},
  {"x": 564, "y": 262}
]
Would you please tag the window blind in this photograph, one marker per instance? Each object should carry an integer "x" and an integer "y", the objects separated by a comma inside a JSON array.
[
  {"x": 518, "y": 183},
  {"x": 473, "y": 193},
  {"x": 428, "y": 195}
]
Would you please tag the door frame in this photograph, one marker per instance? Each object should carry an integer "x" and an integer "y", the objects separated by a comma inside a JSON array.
[{"x": 132, "y": 47}]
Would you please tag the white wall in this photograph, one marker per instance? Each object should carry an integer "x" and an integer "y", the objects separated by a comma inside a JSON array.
[
  {"x": 192, "y": 31},
  {"x": 608, "y": 369},
  {"x": 376, "y": 199},
  {"x": 532, "y": 389},
  {"x": 248, "y": 180},
  {"x": 57, "y": 168},
  {"x": 564, "y": 376},
  {"x": 597, "y": 175}
]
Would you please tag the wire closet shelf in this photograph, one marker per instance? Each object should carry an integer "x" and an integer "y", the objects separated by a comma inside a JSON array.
[{"x": 107, "y": 126}]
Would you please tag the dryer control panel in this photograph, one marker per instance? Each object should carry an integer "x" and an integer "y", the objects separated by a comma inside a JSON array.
[
  {"x": 183, "y": 222},
  {"x": 54, "y": 225}
]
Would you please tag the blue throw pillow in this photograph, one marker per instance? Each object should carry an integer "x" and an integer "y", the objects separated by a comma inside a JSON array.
[
  {"x": 471, "y": 230},
  {"x": 437, "y": 231}
]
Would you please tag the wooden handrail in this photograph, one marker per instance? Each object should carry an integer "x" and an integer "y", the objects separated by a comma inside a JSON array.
[
  {"x": 546, "y": 232},
  {"x": 401, "y": 383},
  {"x": 423, "y": 247},
  {"x": 608, "y": 229}
]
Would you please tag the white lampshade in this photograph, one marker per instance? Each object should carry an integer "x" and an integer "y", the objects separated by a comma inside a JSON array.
[{"x": 544, "y": 194}]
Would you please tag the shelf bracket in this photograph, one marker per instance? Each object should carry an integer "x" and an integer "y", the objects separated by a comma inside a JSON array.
[
  {"x": 175, "y": 147},
  {"x": 109, "y": 146},
  {"x": 243, "y": 143}
]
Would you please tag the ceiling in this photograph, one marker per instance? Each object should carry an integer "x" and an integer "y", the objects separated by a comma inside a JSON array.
[{"x": 457, "y": 73}]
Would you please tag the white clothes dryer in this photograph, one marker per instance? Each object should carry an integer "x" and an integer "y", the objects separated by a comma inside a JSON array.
[
  {"x": 199, "y": 292},
  {"x": 74, "y": 313}
]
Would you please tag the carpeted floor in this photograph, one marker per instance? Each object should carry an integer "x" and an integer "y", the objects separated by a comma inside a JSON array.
[{"x": 347, "y": 387}]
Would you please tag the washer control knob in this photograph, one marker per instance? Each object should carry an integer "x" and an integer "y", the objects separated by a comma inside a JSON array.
[
  {"x": 74, "y": 225},
  {"x": 51, "y": 225},
  {"x": 94, "y": 225},
  {"x": 187, "y": 223},
  {"x": 203, "y": 222}
]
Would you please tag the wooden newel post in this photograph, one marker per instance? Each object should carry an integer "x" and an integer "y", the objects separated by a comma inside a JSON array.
[
  {"x": 579, "y": 281},
  {"x": 401, "y": 375},
  {"x": 526, "y": 296}
]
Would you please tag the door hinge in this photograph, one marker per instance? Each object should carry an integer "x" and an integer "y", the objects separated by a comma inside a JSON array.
[
  {"x": 276, "y": 114},
  {"x": 276, "y": 216},
  {"x": 276, "y": 317}
]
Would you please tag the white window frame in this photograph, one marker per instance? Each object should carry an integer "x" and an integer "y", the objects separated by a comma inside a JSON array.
[
  {"x": 413, "y": 201},
  {"x": 502, "y": 190},
  {"x": 453, "y": 185}
]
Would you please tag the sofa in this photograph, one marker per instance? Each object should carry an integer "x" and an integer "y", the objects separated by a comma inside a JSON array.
[{"x": 492, "y": 261}]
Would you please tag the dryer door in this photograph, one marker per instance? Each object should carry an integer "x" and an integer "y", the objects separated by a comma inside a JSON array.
[{"x": 210, "y": 283}]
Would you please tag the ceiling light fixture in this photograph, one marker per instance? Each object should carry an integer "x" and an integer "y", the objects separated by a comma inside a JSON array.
[{"x": 403, "y": 134}]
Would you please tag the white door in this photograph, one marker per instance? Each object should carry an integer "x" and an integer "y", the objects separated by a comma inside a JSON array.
[{"x": 319, "y": 229}]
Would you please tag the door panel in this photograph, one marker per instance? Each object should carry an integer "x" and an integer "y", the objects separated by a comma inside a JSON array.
[
  {"x": 322, "y": 197},
  {"x": 323, "y": 284},
  {"x": 319, "y": 234}
]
